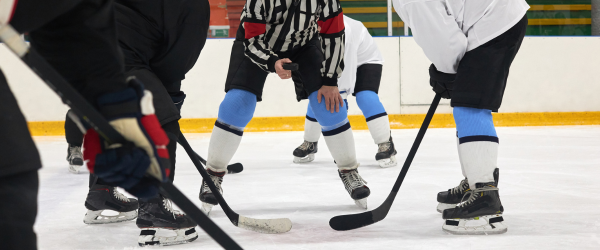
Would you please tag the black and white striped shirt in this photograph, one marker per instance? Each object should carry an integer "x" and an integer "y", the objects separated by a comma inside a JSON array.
[{"x": 264, "y": 20}]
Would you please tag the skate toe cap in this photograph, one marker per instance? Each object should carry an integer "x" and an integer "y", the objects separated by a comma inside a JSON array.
[
  {"x": 442, "y": 196},
  {"x": 448, "y": 214}
]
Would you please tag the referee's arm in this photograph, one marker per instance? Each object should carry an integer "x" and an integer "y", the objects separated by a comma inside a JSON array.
[{"x": 255, "y": 28}]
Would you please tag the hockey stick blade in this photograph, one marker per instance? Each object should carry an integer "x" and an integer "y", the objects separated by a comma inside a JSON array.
[
  {"x": 86, "y": 111},
  {"x": 269, "y": 226},
  {"x": 354, "y": 221}
]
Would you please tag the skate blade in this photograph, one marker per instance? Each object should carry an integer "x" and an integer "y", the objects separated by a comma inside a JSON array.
[
  {"x": 308, "y": 158},
  {"x": 483, "y": 225},
  {"x": 96, "y": 217},
  {"x": 206, "y": 208},
  {"x": 75, "y": 169},
  {"x": 388, "y": 163},
  {"x": 443, "y": 206},
  {"x": 362, "y": 203},
  {"x": 148, "y": 237}
]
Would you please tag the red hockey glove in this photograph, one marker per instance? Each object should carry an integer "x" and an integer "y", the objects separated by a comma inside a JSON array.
[{"x": 137, "y": 166}]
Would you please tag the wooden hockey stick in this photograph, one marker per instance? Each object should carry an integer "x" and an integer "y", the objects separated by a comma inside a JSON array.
[
  {"x": 87, "y": 112},
  {"x": 354, "y": 221},
  {"x": 269, "y": 226}
]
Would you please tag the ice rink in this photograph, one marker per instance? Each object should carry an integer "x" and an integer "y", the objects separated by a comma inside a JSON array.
[{"x": 548, "y": 184}]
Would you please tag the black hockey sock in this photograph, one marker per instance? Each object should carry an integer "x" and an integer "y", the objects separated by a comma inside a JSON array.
[
  {"x": 72, "y": 133},
  {"x": 95, "y": 180}
]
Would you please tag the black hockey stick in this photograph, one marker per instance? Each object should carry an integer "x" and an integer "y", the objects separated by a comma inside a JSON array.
[
  {"x": 269, "y": 226},
  {"x": 86, "y": 111},
  {"x": 354, "y": 221},
  {"x": 234, "y": 168}
]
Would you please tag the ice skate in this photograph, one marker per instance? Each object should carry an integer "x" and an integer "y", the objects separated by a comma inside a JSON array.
[
  {"x": 206, "y": 196},
  {"x": 75, "y": 158},
  {"x": 356, "y": 187},
  {"x": 481, "y": 213},
  {"x": 158, "y": 221},
  {"x": 101, "y": 198},
  {"x": 386, "y": 154},
  {"x": 305, "y": 152},
  {"x": 449, "y": 199}
]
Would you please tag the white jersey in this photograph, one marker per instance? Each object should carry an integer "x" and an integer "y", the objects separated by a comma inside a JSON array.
[
  {"x": 360, "y": 49},
  {"x": 447, "y": 29}
]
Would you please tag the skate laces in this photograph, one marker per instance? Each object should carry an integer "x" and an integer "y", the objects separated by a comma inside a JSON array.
[
  {"x": 464, "y": 185},
  {"x": 352, "y": 180},
  {"x": 216, "y": 180},
  {"x": 120, "y": 196},
  {"x": 475, "y": 194},
  {"x": 75, "y": 152},
  {"x": 168, "y": 204},
  {"x": 307, "y": 145},
  {"x": 383, "y": 147}
]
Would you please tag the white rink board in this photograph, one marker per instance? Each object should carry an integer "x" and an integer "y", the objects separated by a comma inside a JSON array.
[
  {"x": 548, "y": 185},
  {"x": 550, "y": 74}
]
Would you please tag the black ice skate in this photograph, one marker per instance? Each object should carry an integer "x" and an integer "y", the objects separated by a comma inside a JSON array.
[
  {"x": 101, "y": 198},
  {"x": 305, "y": 152},
  {"x": 157, "y": 214},
  {"x": 75, "y": 158},
  {"x": 355, "y": 185},
  {"x": 449, "y": 199},
  {"x": 206, "y": 196},
  {"x": 386, "y": 154},
  {"x": 481, "y": 213}
]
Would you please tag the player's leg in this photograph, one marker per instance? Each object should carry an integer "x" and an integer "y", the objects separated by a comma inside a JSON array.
[
  {"x": 244, "y": 85},
  {"x": 478, "y": 91},
  {"x": 18, "y": 175},
  {"x": 368, "y": 78},
  {"x": 334, "y": 126},
  {"x": 312, "y": 131},
  {"x": 74, "y": 138}
]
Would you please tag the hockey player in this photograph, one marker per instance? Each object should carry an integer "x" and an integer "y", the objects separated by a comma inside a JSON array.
[
  {"x": 273, "y": 33},
  {"x": 361, "y": 78},
  {"x": 472, "y": 44},
  {"x": 161, "y": 42},
  {"x": 78, "y": 39}
]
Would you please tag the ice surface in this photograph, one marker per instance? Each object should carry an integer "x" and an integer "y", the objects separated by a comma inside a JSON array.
[{"x": 548, "y": 184}]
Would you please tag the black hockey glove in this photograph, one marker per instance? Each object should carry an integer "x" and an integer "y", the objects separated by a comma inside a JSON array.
[{"x": 442, "y": 83}]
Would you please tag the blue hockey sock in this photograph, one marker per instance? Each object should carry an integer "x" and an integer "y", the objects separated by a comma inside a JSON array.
[{"x": 377, "y": 119}]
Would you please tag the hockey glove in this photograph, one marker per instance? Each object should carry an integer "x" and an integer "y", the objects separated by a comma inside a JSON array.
[
  {"x": 442, "y": 83},
  {"x": 140, "y": 165}
]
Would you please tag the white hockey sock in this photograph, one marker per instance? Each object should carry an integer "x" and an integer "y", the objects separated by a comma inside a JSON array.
[
  {"x": 340, "y": 143},
  {"x": 379, "y": 128},
  {"x": 462, "y": 166},
  {"x": 312, "y": 130},
  {"x": 224, "y": 142},
  {"x": 479, "y": 155}
]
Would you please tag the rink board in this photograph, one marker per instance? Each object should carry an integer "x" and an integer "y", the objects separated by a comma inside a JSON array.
[{"x": 550, "y": 75}]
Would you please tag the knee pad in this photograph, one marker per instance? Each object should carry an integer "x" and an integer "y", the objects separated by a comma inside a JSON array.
[
  {"x": 474, "y": 122},
  {"x": 369, "y": 104},
  {"x": 237, "y": 108},
  {"x": 327, "y": 120}
]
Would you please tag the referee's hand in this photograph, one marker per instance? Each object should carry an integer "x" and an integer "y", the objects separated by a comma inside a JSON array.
[
  {"x": 282, "y": 73},
  {"x": 332, "y": 97}
]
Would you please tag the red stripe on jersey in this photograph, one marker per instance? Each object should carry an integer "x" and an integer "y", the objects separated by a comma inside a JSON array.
[
  {"x": 332, "y": 25},
  {"x": 254, "y": 29},
  {"x": 13, "y": 10}
]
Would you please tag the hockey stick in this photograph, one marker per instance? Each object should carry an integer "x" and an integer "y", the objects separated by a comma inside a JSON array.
[
  {"x": 86, "y": 111},
  {"x": 269, "y": 226},
  {"x": 354, "y": 221},
  {"x": 235, "y": 168}
]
